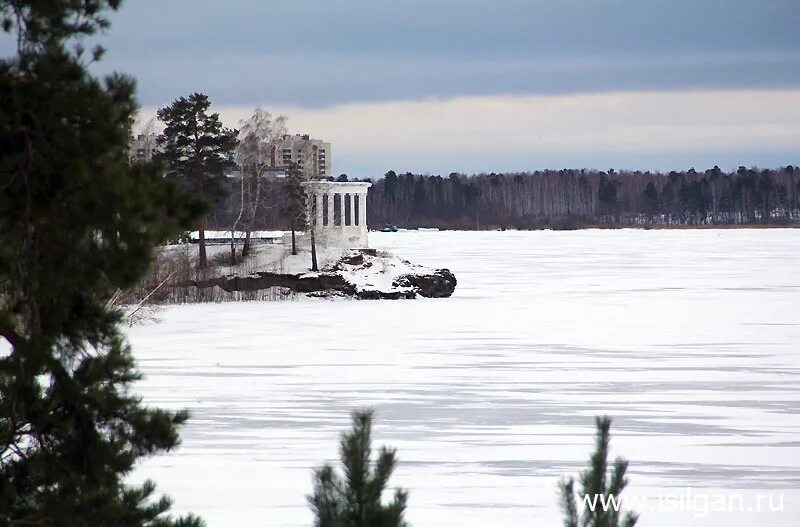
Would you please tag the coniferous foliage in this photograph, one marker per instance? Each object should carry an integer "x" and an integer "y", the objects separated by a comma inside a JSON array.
[
  {"x": 598, "y": 485},
  {"x": 197, "y": 149},
  {"x": 77, "y": 223},
  {"x": 44, "y": 24},
  {"x": 354, "y": 499}
]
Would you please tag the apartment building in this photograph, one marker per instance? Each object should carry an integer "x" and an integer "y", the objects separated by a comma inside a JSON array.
[
  {"x": 312, "y": 156},
  {"x": 143, "y": 147}
]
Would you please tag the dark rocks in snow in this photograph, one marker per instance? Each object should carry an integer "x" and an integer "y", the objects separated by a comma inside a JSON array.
[
  {"x": 439, "y": 284},
  {"x": 371, "y": 294},
  {"x": 265, "y": 280},
  {"x": 364, "y": 274}
]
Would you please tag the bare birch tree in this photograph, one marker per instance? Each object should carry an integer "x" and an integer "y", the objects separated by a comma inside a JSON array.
[
  {"x": 311, "y": 173},
  {"x": 301, "y": 200},
  {"x": 255, "y": 155}
]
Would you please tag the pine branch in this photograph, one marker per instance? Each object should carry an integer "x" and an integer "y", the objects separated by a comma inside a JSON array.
[{"x": 568, "y": 506}]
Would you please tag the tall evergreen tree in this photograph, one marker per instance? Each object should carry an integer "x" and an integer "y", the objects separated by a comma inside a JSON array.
[
  {"x": 197, "y": 148},
  {"x": 77, "y": 223},
  {"x": 598, "y": 486},
  {"x": 651, "y": 199},
  {"x": 355, "y": 499}
]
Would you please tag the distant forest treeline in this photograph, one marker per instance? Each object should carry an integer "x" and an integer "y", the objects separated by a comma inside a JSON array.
[{"x": 564, "y": 199}]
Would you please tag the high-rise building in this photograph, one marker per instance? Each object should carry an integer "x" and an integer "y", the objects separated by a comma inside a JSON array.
[
  {"x": 312, "y": 156},
  {"x": 143, "y": 147}
]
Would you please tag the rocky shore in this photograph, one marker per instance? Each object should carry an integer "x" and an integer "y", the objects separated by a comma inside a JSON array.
[{"x": 365, "y": 274}]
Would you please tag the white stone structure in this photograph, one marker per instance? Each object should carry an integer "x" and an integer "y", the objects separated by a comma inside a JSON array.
[{"x": 338, "y": 211}]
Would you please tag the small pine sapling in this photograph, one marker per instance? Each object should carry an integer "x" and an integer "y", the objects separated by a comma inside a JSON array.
[
  {"x": 599, "y": 487},
  {"x": 354, "y": 498}
]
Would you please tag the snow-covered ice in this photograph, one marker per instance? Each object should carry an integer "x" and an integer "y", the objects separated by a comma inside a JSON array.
[{"x": 689, "y": 339}]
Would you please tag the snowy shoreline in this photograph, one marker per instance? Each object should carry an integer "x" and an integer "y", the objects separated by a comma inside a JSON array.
[{"x": 364, "y": 274}]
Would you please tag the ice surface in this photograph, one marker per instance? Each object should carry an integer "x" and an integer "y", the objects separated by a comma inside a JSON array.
[{"x": 689, "y": 339}]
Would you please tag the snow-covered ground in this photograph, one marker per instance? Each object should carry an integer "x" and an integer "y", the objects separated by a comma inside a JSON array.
[
  {"x": 275, "y": 258},
  {"x": 689, "y": 339},
  {"x": 226, "y": 235}
]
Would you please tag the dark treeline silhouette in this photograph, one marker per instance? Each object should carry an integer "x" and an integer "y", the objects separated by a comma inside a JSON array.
[{"x": 564, "y": 199}]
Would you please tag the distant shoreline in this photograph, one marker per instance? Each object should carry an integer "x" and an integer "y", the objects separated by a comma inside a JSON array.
[{"x": 609, "y": 227}]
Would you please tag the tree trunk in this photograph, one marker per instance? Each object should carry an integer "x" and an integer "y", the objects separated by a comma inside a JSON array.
[
  {"x": 246, "y": 247},
  {"x": 714, "y": 204},
  {"x": 313, "y": 250},
  {"x": 294, "y": 242},
  {"x": 238, "y": 220},
  {"x": 201, "y": 224},
  {"x": 251, "y": 214},
  {"x": 201, "y": 227}
]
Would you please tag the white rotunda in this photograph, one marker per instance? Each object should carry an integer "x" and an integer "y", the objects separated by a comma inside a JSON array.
[{"x": 338, "y": 210}]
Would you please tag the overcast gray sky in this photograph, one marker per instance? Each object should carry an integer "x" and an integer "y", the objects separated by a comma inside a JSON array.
[{"x": 457, "y": 59}]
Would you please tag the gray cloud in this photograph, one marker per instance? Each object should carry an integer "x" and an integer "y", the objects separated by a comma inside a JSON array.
[
  {"x": 646, "y": 130},
  {"x": 462, "y": 28},
  {"x": 326, "y": 79},
  {"x": 374, "y": 166},
  {"x": 313, "y": 58},
  {"x": 320, "y": 53}
]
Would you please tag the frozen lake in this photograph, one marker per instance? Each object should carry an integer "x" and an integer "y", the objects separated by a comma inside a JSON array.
[{"x": 689, "y": 339}]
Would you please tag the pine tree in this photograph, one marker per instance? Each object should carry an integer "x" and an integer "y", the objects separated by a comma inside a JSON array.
[
  {"x": 651, "y": 199},
  {"x": 296, "y": 201},
  {"x": 596, "y": 483},
  {"x": 196, "y": 148},
  {"x": 354, "y": 500},
  {"x": 77, "y": 223}
]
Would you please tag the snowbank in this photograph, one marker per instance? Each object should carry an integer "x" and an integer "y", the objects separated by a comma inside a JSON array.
[{"x": 375, "y": 274}]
